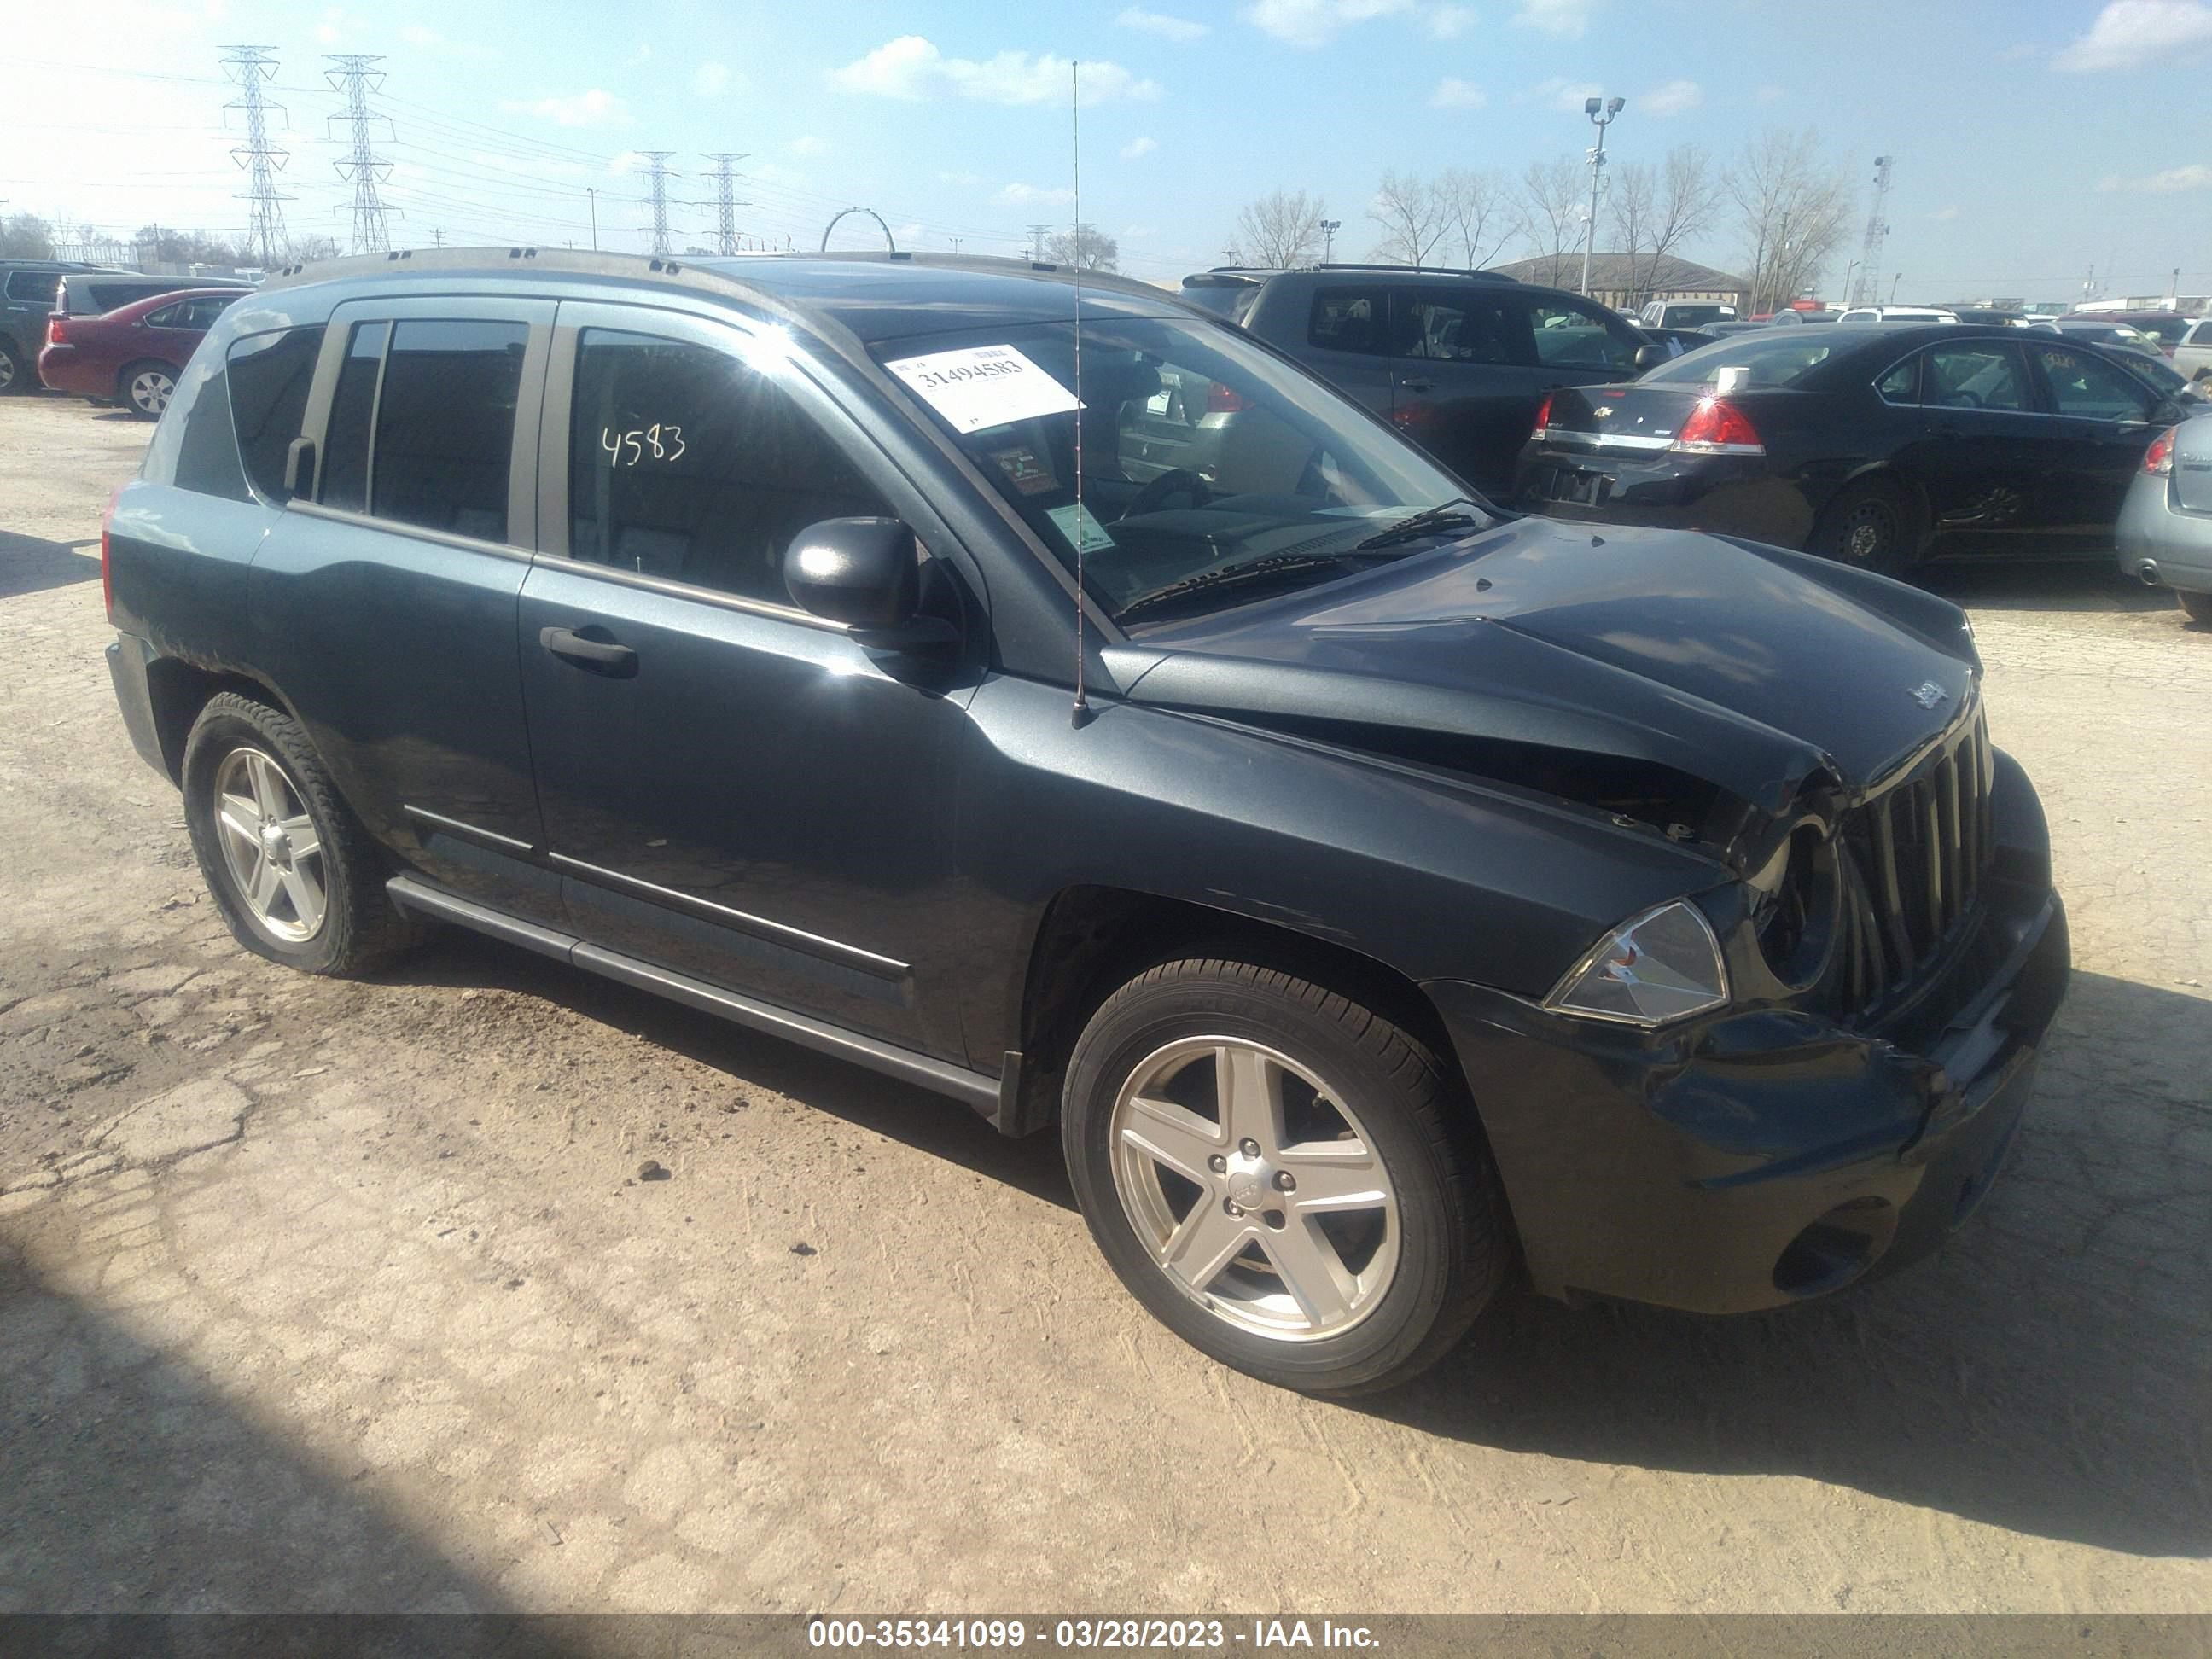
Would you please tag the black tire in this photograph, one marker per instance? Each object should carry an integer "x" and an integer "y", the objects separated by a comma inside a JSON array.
[
  {"x": 144, "y": 389},
  {"x": 16, "y": 375},
  {"x": 1871, "y": 525},
  {"x": 2198, "y": 606},
  {"x": 359, "y": 928},
  {"x": 1452, "y": 1242}
]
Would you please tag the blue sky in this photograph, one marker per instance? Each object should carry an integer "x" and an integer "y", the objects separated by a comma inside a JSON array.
[{"x": 2032, "y": 139}]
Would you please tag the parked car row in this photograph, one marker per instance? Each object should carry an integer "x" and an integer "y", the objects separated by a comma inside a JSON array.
[
  {"x": 106, "y": 335},
  {"x": 1385, "y": 894}
]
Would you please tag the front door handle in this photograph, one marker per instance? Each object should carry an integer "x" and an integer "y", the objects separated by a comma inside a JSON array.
[
  {"x": 600, "y": 656},
  {"x": 1417, "y": 385}
]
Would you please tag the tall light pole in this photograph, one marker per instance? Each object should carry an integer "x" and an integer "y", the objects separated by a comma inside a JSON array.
[
  {"x": 1601, "y": 113},
  {"x": 1328, "y": 229}
]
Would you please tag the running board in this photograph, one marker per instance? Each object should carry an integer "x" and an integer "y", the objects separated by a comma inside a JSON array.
[{"x": 972, "y": 1088}]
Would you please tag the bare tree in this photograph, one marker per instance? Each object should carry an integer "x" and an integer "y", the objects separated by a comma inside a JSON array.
[
  {"x": 1657, "y": 209},
  {"x": 1405, "y": 205},
  {"x": 1479, "y": 213},
  {"x": 1551, "y": 206},
  {"x": 1793, "y": 209},
  {"x": 1084, "y": 246},
  {"x": 1281, "y": 230},
  {"x": 26, "y": 236}
]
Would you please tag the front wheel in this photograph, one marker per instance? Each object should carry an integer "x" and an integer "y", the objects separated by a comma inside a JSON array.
[
  {"x": 288, "y": 868},
  {"x": 1291, "y": 1183}
]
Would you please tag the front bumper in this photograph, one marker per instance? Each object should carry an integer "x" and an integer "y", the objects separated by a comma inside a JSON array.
[
  {"x": 1731, "y": 495},
  {"x": 1765, "y": 1155}
]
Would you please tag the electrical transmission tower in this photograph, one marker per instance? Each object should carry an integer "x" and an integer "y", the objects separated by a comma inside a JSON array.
[
  {"x": 1869, "y": 283},
  {"x": 253, "y": 68},
  {"x": 363, "y": 167},
  {"x": 725, "y": 201},
  {"x": 1036, "y": 243},
  {"x": 659, "y": 175}
]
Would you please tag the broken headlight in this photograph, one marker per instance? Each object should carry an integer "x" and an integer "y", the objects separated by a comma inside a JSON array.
[{"x": 1663, "y": 965}]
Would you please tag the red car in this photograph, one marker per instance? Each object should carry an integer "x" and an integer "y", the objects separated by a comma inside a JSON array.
[{"x": 132, "y": 355}]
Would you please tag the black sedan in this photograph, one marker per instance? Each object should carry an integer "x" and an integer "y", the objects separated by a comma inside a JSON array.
[{"x": 1878, "y": 445}]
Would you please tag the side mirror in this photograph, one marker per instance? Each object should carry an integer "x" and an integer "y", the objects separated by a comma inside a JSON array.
[
  {"x": 1650, "y": 357},
  {"x": 866, "y": 573}
]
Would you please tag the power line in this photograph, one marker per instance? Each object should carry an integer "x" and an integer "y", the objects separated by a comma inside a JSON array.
[
  {"x": 658, "y": 173},
  {"x": 251, "y": 68},
  {"x": 726, "y": 202},
  {"x": 364, "y": 168}
]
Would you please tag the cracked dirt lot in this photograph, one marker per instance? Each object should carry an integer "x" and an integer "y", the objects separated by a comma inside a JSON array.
[{"x": 340, "y": 1295}]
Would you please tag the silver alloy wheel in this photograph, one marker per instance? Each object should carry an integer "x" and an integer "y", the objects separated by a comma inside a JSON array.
[
  {"x": 1257, "y": 1189},
  {"x": 150, "y": 389},
  {"x": 7, "y": 370},
  {"x": 270, "y": 845}
]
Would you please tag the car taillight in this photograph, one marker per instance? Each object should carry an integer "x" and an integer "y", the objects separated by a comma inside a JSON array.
[
  {"x": 1220, "y": 400},
  {"x": 1716, "y": 427},
  {"x": 1543, "y": 416},
  {"x": 57, "y": 330},
  {"x": 2158, "y": 460},
  {"x": 106, "y": 565}
]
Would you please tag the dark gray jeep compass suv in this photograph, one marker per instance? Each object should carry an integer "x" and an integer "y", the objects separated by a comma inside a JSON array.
[{"x": 1385, "y": 896}]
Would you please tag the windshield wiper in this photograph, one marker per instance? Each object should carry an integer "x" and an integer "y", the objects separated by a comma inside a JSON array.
[
  {"x": 1426, "y": 522},
  {"x": 1271, "y": 564}
]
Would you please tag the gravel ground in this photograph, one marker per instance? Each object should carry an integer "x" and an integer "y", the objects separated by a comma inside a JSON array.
[{"x": 344, "y": 1296}]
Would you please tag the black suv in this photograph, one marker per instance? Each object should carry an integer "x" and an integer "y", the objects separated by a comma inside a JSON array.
[
  {"x": 1459, "y": 360},
  {"x": 1384, "y": 896},
  {"x": 28, "y": 291}
]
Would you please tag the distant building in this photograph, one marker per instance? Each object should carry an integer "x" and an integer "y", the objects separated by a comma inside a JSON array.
[{"x": 1613, "y": 282}]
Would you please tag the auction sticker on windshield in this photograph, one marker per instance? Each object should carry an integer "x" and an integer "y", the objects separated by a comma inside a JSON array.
[{"x": 983, "y": 386}]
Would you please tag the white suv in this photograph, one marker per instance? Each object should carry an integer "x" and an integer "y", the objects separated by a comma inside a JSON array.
[
  {"x": 1898, "y": 314},
  {"x": 2193, "y": 355}
]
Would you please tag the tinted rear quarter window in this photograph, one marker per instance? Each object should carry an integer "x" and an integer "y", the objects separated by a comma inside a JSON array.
[
  {"x": 206, "y": 450},
  {"x": 270, "y": 375},
  {"x": 34, "y": 287}
]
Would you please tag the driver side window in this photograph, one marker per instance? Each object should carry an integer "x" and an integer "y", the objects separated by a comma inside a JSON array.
[{"x": 2089, "y": 388}]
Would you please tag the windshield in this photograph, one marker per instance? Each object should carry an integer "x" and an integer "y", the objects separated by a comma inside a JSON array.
[
  {"x": 1201, "y": 454},
  {"x": 1764, "y": 359}
]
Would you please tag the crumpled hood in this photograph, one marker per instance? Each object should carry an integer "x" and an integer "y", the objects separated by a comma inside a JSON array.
[{"x": 1748, "y": 666}]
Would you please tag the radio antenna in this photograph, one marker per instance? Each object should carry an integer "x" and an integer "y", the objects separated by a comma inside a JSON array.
[{"x": 1081, "y": 711}]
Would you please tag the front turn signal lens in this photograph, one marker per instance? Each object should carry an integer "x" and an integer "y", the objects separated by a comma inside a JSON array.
[{"x": 1663, "y": 965}]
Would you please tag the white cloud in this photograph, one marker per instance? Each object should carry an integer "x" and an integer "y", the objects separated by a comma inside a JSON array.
[
  {"x": 1314, "y": 22},
  {"x": 1770, "y": 94},
  {"x": 335, "y": 27},
  {"x": 806, "y": 143},
  {"x": 1561, "y": 93},
  {"x": 1943, "y": 216},
  {"x": 711, "y": 80},
  {"x": 1452, "y": 93},
  {"x": 1160, "y": 23},
  {"x": 590, "y": 108},
  {"x": 1449, "y": 23},
  {"x": 2194, "y": 176},
  {"x": 2130, "y": 33},
  {"x": 1137, "y": 147},
  {"x": 1031, "y": 195},
  {"x": 1568, "y": 19},
  {"x": 1673, "y": 98},
  {"x": 961, "y": 178},
  {"x": 911, "y": 67}
]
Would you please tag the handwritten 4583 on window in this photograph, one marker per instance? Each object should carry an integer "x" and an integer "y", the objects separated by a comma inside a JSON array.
[{"x": 660, "y": 443}]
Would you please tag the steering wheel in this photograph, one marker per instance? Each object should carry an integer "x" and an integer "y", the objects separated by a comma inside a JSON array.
[{"x": 1174, "y": 479}]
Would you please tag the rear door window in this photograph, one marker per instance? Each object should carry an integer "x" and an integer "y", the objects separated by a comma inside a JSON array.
[
  {"x": 1975, "y": 376},
  {"x": 445, "y": 425},
  {"x": 34, "y": 287},
  {"x": 353, "y": 408},
  {"x": 1354, "y": 319},
  {"x": 270, "y": 375}
]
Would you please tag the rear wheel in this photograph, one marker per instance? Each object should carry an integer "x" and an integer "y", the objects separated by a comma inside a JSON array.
[
  {"x": 14, "y": 376},
  {"x": 1289, "y": 1181},
  {"x": 146, "y": 389},
  {"x": 2198, "y": 606},
  {"x": 290, "y": 868},
  {"x": 1869, "y": 524}
]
